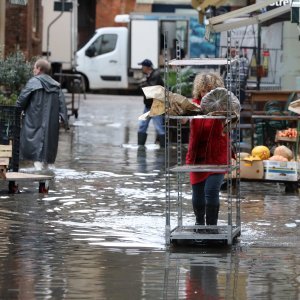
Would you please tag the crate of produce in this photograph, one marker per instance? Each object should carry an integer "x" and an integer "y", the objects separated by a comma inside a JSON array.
[
  {"x": 286, "y": 135},
  {"x": 10, "y": 126},
  {"x": 281, "y": 170},
  {"x": 251, "y": 169}
]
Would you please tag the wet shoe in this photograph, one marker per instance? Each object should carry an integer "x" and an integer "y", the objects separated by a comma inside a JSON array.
[
  {"x": 212, "y": 231},
  {"x": 38, "y": 165},
  {"x": 199, "y": 230}
]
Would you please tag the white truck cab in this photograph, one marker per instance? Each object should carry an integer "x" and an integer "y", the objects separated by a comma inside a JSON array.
[
  {"x": 103, "y": 60},
  {"x": 110, "y": 59}
]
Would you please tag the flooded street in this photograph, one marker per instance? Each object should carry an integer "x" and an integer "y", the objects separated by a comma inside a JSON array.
[{"x": 100, "y": 232}]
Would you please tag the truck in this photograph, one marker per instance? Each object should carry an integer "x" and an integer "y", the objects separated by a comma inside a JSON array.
[{"x": 110, "y": 59}]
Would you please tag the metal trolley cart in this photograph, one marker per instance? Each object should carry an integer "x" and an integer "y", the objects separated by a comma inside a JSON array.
[
  {"x": 10, "y": 125},
  {"x": 176, "y": 228},
  {"x": 75, "y": 83}
]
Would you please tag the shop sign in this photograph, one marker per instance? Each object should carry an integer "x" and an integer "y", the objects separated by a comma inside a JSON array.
[{"x": 281, "y": 3}]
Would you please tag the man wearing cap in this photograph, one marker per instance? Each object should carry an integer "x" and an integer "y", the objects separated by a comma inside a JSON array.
[{"x": 152, "y": 78}]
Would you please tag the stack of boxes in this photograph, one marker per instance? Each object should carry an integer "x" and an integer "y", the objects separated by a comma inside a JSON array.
[
  {"x": 270, "y": 170},
  {"x": 10, "y": 125},
  {"x": 5, "y": 156}
]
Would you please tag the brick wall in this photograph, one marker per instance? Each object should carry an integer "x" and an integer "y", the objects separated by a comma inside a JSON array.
[
  {"x": 106, "y": 10},
  {"x": 143, "y": 8},
  {"x": 18, "y": 29}
]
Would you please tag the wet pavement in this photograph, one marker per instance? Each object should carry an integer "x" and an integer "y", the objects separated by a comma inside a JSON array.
[{"x": 99, "y": 233}]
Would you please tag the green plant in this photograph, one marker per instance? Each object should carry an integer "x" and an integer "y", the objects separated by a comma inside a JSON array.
[
  {"x": 182, "y": 85},
  {"x": 15, "y": 71}
]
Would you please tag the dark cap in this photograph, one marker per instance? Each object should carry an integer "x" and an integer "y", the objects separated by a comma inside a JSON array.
[{"x": 146, "y": 63}]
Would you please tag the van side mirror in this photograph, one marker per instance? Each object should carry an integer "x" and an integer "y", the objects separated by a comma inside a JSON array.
[{"x": 90, "y": 52}]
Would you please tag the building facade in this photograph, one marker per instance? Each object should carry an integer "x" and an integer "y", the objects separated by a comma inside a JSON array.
[{"x": 21, "y": 27}]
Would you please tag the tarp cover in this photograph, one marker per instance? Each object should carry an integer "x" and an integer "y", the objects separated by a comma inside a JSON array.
[
  {"x": 295, "y": 107},
  {"x": 179, "y": 105},
  {"x": 220, "y": 100}
]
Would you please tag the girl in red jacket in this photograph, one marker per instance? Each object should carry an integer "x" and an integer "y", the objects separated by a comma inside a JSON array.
[{"x": 207, "y": 145}]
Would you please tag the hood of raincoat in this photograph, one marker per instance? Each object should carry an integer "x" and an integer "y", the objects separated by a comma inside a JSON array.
[{"x": 43, "y": 81}]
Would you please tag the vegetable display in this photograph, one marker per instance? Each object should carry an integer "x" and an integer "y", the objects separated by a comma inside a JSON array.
[{"x": 288, "y": 133}]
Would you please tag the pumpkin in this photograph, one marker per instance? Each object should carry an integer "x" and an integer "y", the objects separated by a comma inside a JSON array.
[
  {"x": 261, "y": 151},
  {"x": 284, "y": 151},
  {"x": 278, "y": 158}
]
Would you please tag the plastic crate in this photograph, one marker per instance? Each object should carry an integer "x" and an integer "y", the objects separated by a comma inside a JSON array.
[{"x": 10, "y": 126}]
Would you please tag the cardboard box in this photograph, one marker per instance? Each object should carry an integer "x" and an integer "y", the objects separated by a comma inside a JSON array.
[
  {"x": 4, "y": 161},
  {"x": 281, "y": 170},
  {"x": 6, "y": 150},
  {"x": 252, "y": 169}
]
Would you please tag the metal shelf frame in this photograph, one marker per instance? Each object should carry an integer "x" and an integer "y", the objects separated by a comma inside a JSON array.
[{"x": 175, "y": 174}]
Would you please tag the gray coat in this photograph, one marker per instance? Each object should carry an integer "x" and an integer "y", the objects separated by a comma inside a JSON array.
[{"x": 43, "y": 103}]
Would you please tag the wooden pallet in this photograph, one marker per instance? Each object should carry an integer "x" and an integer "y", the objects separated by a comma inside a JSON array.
[{"x": 12, "y": 177}]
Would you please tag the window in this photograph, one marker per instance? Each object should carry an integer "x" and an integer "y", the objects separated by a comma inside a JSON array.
[
  {"x": 36, "y": 17},
  {"x": 104, "y": 44}
]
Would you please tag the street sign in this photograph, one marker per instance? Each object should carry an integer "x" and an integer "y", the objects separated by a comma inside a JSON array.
[{"x": 63, "y": 6}]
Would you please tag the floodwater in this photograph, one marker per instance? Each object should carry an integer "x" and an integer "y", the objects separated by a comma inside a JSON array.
[{"x": 100, "y": 232}]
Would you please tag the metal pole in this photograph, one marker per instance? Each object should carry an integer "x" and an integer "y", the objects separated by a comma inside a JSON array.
[
  {"x": 74, "y": 36},
  {"x": 258, "y": 58}
]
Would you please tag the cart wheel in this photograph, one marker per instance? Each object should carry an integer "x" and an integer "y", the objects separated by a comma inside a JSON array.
[
  {"x": 13, "y": 187},
  {"x": 43, "y": 188}
]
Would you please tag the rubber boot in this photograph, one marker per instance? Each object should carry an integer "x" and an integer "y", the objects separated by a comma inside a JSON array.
[
  {"x": 162, "y": 141},
  {"x": 212, "y": 213},
  {"x": 142, "y": 137},
  {"x": 199, "y": 212}
]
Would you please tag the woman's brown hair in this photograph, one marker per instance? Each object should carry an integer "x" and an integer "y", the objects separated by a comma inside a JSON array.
[{"x": 205, "y": 82}]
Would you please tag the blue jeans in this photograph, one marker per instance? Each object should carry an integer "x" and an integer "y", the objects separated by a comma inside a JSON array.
[
  {"x": 207, "y": 191},
  {"x": 158, "y": 122}
]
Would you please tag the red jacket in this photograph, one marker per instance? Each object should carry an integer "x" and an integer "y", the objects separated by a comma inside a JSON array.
[{"x": 207, "y": 145}]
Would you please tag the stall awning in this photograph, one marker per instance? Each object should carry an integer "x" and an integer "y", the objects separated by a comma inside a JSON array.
[{"x": 229, "y": 20}]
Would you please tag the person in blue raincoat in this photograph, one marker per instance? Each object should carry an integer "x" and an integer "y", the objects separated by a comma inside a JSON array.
[{"x": 44, "y": 107}]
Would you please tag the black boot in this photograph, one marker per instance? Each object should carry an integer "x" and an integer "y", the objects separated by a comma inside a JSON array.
[
  {"x": 142, "y": 137},
  {"x": 162, "y": 141},
  {"x": 199, "y": 212},
  {"x": 212, "y": 213}
]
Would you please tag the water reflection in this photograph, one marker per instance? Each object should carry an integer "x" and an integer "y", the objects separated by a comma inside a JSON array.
[
  {"x": 153, "y": 163},
  {"x": 99, "y": 233},
  {"x": 236, "y": 273},
  {"x": 209, "y": 273}
]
